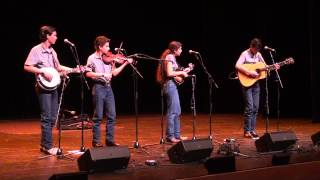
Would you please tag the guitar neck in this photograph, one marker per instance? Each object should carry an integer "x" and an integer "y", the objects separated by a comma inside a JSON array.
[{"x": 272, "y": 67}]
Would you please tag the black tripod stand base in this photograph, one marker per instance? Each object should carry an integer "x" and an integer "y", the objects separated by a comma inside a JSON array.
[
  {"x": 82, "y": 149},
  {"x": 162, "y": 141},
  {"x": 136, "y": 145},
  {"x": 59, "y": 152}
]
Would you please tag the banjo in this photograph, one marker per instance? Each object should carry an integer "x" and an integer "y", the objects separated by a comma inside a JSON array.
[{"x": 53, "y": 84}]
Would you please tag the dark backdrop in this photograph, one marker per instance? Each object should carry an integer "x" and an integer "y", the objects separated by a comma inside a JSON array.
[{"x": 219, "y": 30}]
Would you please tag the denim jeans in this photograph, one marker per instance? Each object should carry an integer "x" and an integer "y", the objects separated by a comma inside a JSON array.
[
  {"x": 173, "y": 110},
  {"x": 103, "y": 100},
  {"x": 48, "y": 102},
  {"x": 251, "y": 99}
]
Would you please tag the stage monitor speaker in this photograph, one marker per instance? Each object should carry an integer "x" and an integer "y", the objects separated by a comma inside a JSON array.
[
  {"x": 104, "y": 159},
  {"x": 81, "y": 175},
  {"x": 282, "y": 158},
  {"x": 190, "y": 150},
  {"x": 221, "y": 164},
  {"x": 316, "y": 138},
  {"x": 275, "y": 141}
]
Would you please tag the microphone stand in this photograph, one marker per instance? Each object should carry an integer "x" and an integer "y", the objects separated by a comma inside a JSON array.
[
  {"x": 162, "y": 141},
  {"x": 210, "y": 82},
  {"x": 278, "y": 90},
  {"x": 135, "y": 74},
  {"x": 193, "y": 107},
  {"x": 83, "y": 80},
  {"x": 267, "y": 103}
]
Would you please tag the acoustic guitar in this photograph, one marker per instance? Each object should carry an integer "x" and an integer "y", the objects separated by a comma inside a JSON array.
[{"x": 261, "y": 69}]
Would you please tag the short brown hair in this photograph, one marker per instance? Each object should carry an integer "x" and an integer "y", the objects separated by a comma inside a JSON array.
[
  {"x": 44, "y": 31},
  {"x": 256, "y": 43},
  {"x": 100, "y": 41}
]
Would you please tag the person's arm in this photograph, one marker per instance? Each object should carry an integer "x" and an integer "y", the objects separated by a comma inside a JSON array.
[
  {"x": 95, "y": 75},
  {"x": 35, "y": 70},
  {"x": 64, "y": 68},
  {"x": 92, "y": 74},
  {"x": 32, "y": 69},
  {"x": 171, "y": 73},
  {"x": 117, "y": 70}
]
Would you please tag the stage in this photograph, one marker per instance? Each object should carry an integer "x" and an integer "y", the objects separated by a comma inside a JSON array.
[{"x": 19, "y": 149}]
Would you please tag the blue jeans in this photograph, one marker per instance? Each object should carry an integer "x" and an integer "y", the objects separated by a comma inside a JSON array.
[
  {"x": 48, "y": 102},
  {"x": 103, "y": 99},
  {"x": 173, "y": 109},
  {"x": 251, "y": 99}
]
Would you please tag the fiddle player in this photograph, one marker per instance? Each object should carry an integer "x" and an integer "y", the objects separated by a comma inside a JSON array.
[{"x": 103, "y": 69}]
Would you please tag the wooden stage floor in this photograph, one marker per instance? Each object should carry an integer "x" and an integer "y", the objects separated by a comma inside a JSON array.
[{"x": 19, "y": 147}]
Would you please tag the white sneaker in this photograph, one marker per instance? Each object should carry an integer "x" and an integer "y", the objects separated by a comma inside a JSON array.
[
  {"x": 52, "y": 151},
  {"x": 183, "y": 138}
]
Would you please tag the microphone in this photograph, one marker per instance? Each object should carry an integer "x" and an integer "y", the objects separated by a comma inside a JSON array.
[
  {"x": 119, "y": 49},
  {"x": 68, "y": 42},
  {"x": 191, "y": 76},
  {"x": 66, "y": 76},
  {"x": 269, "y": 49},
  {"x": 133, "y": 56},
  {"x": 70, "y": 112},
  {"x": 193, "y": 52}
]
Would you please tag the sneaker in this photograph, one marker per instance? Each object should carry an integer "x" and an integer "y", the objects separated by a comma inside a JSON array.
[
  {"x": 97, "y": 145},
  {"x": 247, "y": 135},
  {"x": 173, "y": 140},
  {"x": 254, "y": 135},
  {"x": 182, "y": 138},
  {"x": 51, "y": 151}
]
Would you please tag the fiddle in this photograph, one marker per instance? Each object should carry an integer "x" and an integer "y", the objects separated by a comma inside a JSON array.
[{"x": 117, "y": 58}]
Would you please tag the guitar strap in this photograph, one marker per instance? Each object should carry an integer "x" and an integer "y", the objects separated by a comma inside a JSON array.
[{"x": 55, "y": 61}]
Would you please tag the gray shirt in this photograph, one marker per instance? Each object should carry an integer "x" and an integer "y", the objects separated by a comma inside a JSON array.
[
  {"x": 172, "y": 58},
  {"x": 41, "y": 57},
  {"x": 97, "y": 65},
  {"x": 247, "y": 57}
]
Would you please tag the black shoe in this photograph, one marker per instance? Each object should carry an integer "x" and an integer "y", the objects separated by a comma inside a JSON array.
[
  {"x": 97, "y": 145},
  {"x": 110, "y": 143}
]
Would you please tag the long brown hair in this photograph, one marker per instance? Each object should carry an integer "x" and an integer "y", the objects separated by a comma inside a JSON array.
[{"x": 161, "y": 74}]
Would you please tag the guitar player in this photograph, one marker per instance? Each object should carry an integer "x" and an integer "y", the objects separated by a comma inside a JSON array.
[
  {"x": 43, "y": 55},
  {"x": 251, "y": 94}
]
